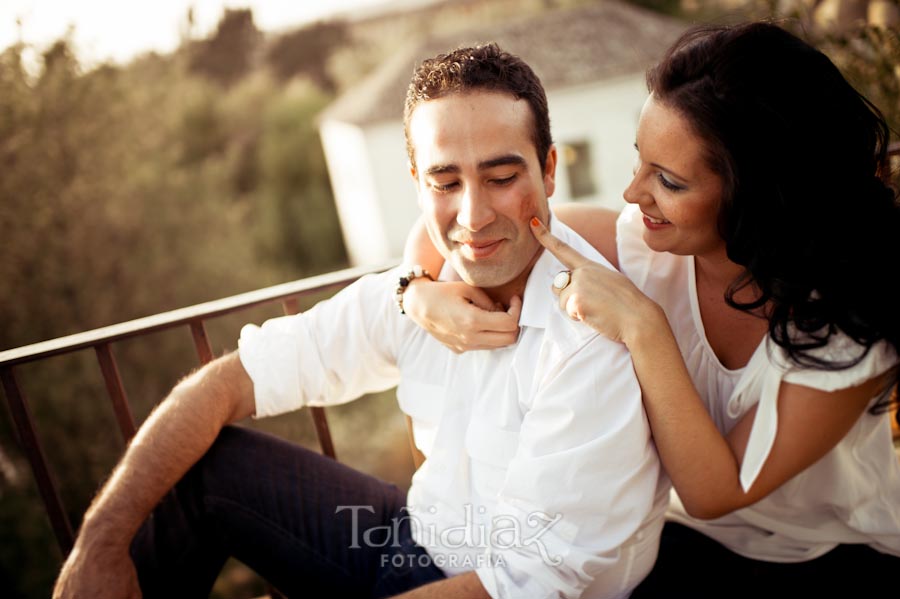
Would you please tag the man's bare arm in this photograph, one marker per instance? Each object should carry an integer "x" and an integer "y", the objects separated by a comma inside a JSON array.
[
  {"x": 463, "y": 586},
  {"x": 175, "y": 436}
]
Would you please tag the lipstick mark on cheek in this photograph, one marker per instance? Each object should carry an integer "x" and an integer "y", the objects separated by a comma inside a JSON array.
[{"x": 527, "y": 209}]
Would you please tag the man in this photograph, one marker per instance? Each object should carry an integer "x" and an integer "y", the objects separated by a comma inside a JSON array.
[{"x": 540, "y": 478}]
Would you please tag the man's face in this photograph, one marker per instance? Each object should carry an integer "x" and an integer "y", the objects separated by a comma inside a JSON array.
[{"x": 480, "y": 182}]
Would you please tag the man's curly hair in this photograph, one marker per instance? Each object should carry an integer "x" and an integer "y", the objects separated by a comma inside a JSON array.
[{"x": 484, "y": 67}]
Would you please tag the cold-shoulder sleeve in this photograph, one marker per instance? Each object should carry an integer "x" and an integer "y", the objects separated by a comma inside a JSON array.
[
  {"x": 634, "y": 255},
  {"x": 779, "y": 368}
]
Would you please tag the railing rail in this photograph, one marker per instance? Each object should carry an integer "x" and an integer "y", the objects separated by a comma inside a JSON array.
[
  {"x": 181, "y": 316},
  {"x": 101, "y": 341}
]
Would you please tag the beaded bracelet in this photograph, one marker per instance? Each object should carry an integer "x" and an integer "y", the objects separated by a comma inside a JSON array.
[{"x": 414, "y": 273}]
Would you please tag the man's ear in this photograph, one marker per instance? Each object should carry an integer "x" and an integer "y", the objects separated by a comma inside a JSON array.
[
  {"x": 550, "y": 172},
  {"x": 415, "y": 177}
]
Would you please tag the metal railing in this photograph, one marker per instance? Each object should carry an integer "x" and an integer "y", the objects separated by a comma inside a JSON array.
[{"x": 101, "y": 340}]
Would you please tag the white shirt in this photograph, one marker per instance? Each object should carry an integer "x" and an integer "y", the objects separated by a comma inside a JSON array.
[
  {"x": 544, "y": 444},
  {"x": 851, "y": 495}
]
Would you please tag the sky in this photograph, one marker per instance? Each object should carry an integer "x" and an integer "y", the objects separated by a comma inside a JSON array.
[{"x": 117, "y": 30}]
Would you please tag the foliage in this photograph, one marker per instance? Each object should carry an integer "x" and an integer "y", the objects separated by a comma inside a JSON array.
[
  {"x": 305, "y": 233},
  {"x": 869, "y": 56},
  {"x": 671, "y": 7},
  {"x": 306, "y": 52},
  {"x": 128, "y": 191},
  {"x": 228, "y": 54}
]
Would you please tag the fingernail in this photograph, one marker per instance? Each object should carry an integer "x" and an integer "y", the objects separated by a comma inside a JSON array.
[{"x": 535, "y": 222}]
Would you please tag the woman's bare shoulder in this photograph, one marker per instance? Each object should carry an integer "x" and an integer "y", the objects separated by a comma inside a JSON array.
[{"x": 596, "y": 224}]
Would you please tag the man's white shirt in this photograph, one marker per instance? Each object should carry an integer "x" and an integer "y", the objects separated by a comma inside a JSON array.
[{"x": 540, "y": 473}]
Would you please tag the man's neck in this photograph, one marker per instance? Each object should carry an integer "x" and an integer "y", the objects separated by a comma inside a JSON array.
[{"x": 503, "y": 293}]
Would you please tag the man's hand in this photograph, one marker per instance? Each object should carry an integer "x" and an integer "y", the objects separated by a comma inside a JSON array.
[
  {"x": 462, "y": 586},
  {"x": 98, "y": 573},
  {"x": 172, "y": 439}
]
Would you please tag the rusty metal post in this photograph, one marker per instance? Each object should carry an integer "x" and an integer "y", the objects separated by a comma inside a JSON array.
[
  {"x": 116, "y": 391},
  {"x": 32, "y": 447},
  {"x": 201, "y": 342},
  {"x": 323, "y": 432}
]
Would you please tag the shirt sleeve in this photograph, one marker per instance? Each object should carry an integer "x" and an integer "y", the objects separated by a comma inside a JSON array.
[
  {"x": 879, "y": 358},
  {"x": 342, "y": 348},
  {"x": 582, "y": 481}
]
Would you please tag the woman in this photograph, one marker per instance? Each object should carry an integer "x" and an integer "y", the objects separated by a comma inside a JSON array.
[{"x": 763, "y": 331}]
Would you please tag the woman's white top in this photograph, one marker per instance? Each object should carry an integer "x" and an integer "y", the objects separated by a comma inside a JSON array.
[{"x": 851, "y": 495}]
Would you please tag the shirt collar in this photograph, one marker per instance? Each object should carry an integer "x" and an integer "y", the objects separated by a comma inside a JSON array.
[{"x": 539, "y": 301}]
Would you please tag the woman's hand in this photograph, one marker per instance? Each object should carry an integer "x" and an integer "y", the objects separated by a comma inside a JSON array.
[
  {"x": 599, "y": 296},
  {"x": 460, "y": 316}
]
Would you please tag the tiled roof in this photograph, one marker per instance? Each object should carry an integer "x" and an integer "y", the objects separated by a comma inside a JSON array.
[{"x": 565, "y": 48}]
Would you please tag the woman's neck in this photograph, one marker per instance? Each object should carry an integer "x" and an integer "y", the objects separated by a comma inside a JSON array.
[
  {"x": 717, "y": 269},
  {"x": 716, "y": 272}
]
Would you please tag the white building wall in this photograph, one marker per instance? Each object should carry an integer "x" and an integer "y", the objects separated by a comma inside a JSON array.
[
  {"x": 396, "y": 189},
  {"x": 356, "y": 193},
  {"x": 606, "y": 115}
]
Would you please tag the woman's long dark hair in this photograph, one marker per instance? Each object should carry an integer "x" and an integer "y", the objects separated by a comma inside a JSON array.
[{"x": 805, "y": 208}]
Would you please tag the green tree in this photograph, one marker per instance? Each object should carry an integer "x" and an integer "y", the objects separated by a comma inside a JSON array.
[
  {"x": 228, "y": 54},
  {"x": 307, "y": 51},
  {"x": 128, "y": 191},
  {"x": 297, "y": 217}
]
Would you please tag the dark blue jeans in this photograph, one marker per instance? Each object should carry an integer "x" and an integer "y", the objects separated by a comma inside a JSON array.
[
  {"x": 692, "y": 565},
  {"x": 277, "y": 507}
]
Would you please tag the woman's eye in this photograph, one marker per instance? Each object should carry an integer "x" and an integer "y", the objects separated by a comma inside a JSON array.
[{"x": 669, "y": 184}]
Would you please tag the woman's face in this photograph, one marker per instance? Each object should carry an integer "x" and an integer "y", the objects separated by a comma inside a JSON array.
[{"x": 678, "y": 194}]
